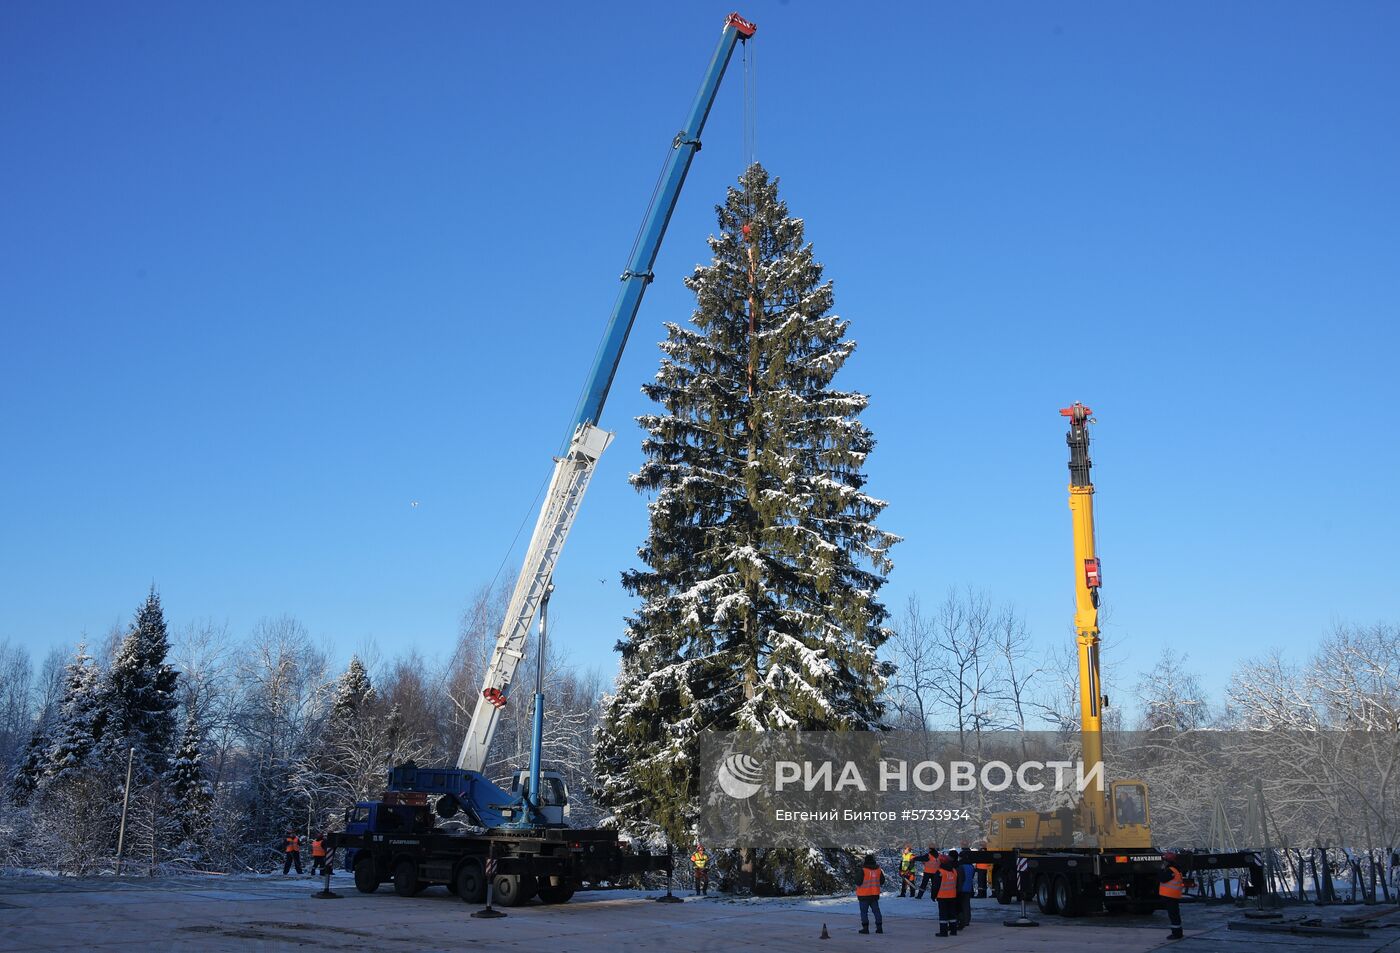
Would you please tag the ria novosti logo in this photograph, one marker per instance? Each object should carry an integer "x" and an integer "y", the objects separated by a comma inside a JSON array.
[{"x": 740, "y": 776}]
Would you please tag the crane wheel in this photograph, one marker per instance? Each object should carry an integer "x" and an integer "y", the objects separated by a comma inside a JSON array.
[
  {"x": 1045, "y": 894},
  {"x": 406, "y": 878},
  {"x": 471, "y": 881},
  {"x": 512, "y": 890},
  {"x": 1066, "y": 897},
  {"x": 1001, "y": 887},
  {"x": 366, "y": 881}
]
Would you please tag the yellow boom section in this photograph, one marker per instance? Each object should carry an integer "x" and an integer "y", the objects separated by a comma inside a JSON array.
[{"x": 1086, "y": 612}]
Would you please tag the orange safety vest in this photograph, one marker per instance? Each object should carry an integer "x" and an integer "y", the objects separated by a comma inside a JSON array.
[
  {"x": 1174, "y": 888},
  {"x": 931, "y": 865},
  {"x": 948, "y": 887},
  {"x": 870, "y": 886},
  {"x": 318, "y": 848},
  {"x": 293, "y": 845}
]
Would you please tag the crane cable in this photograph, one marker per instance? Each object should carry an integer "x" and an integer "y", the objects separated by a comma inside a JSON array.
[
  {"x": 529, "y": 511},
  {"x": 750, "y": 234},
  {"x": 750, "y": 106}
]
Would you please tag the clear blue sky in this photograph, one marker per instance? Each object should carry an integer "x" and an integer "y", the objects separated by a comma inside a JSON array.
[{"x": 270, "y": 272}]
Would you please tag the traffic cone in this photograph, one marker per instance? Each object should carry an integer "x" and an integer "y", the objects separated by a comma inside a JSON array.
[{"x": 825, "y": 935}]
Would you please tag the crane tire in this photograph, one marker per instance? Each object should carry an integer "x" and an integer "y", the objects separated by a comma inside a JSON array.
[
  {"x": 471, "y": 881},
  {"x": 1001, "y": 887},
  {"x": 366, "y": 880},
  {"x": 406, "y": 878},
  {"x": 512, "y": 890},
  {"x": 1066, "y": 897}
]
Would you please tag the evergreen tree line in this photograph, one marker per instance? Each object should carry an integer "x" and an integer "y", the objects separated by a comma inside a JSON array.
[
  {"x": 233, "y": 742},
  {"x": 227, "y": 789}
]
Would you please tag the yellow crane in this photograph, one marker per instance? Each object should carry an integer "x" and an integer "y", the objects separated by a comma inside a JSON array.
[
  {"x": 1071, "y": 849},
  {"x": 1097, "y": 854},
  {"x": 1096, "y": 821},
  {"x": 1125, "y": 827}
]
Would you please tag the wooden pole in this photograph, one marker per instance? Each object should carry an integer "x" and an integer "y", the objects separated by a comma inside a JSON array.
[{"x": 126, "y": 799}]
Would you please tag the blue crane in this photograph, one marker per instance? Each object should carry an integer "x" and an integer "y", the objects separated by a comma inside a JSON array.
[{"x": 537, "y": 800}]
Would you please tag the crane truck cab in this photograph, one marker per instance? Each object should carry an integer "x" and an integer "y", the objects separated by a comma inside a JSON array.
[
  {"x": 396, "y": 814},
  {"x": 553, "y": 803},
  {"x": 1126, "y": 826}
]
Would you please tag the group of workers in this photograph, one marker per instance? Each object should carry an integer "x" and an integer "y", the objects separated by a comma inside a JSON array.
[
  {"x": 950, "y": 883},
  {"x": 291, "y": 853},
  {"x": 953, "y": 883}
]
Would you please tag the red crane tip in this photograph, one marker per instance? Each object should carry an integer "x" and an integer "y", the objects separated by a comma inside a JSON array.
[{"x": 745, "y": 28}]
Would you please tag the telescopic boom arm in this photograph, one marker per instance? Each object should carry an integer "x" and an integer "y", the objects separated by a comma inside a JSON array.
[
  {"x": 587, "y": 441},
  {"x": 1087, "y": 579}
]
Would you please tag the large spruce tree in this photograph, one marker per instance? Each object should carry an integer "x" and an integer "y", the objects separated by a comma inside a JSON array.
[
  {"x": 141, "y": 698},
  {"x": 763, "y": 561}
]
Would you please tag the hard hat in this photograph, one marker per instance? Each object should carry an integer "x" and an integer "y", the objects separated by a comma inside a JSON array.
[{"x": 1169, "y": 855}]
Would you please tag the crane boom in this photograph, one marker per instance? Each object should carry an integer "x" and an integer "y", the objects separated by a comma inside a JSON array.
[
  {"x": 1087, "y": 579},
  {"x": 587, "y": 441}
]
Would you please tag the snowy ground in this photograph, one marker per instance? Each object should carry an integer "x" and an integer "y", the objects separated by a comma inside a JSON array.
[{"x": 272, "y": 913}]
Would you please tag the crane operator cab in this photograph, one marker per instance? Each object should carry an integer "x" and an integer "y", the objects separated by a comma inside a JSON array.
[
  {"x": 554, "y": 795},
  {"x": 1130, "y": 816}
]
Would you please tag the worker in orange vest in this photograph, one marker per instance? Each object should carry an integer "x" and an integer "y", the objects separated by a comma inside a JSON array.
[
  {"x": 318, "y": 855},
  {"x": 868, "y": 894},
  {"x": 1169, "y": 890},
  {"x": 947, "y": 895},
  {"x": 291, "y": 852},
  {"x": 930, "y": 881}
]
